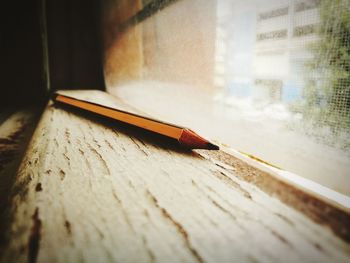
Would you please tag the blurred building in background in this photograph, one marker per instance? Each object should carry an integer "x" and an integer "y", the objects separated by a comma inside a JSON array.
[{"x": 262, "y": 47}]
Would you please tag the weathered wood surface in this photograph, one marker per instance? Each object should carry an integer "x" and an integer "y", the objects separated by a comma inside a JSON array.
[
  {"x": 15, "y": 131},
  {"x": 93, "y": 193}
]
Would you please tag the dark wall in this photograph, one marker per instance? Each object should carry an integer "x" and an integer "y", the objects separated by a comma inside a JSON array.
[
  {"x": 73, "y": 48},
  {"x": 74, "y": 44},
  {"x": 21, "y": 64}
]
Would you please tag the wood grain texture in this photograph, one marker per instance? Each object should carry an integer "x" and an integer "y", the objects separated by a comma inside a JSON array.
[
  {"x": 321, "y": 209},
  {"x": 15, "y": 132},
  {"x": 93, "y": 191}
]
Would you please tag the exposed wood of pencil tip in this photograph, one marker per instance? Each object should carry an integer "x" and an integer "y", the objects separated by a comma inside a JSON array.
[{"x": 192, "y": 140}]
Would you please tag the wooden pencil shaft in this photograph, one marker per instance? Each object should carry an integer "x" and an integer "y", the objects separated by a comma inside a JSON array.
[
  {"x": 145, "y": 123},
  {"x": 183, "y": 135}
]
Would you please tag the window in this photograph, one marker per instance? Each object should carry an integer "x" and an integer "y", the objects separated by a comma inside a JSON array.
[{"x": 270, "y": 78}]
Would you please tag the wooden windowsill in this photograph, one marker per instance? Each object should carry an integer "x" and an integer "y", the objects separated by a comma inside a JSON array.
[{"x": 93, "y": 190}]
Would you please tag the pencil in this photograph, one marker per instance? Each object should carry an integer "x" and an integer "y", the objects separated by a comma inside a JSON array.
[{"x": 185, "y": 136}]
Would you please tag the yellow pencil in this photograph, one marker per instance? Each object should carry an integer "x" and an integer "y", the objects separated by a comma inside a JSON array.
[{"x": 185, "y": 136}]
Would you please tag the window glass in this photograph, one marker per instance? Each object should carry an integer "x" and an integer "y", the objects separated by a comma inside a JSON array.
[{"x": 267, "y": 77}]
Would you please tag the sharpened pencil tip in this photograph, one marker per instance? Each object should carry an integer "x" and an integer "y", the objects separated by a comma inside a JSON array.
[{"x": 212, "y": 146}]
